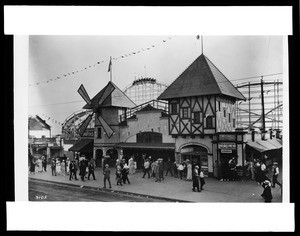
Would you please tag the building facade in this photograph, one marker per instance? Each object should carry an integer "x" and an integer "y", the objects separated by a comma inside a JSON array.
[{"x": 202, "y": 117}]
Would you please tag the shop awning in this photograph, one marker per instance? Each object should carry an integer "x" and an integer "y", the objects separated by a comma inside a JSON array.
[
  {"x": 264, "y": 145},
  {"x": 56, "y": 147},
  {"x": 77, "y": 147},
  {"x": 170, "y": 146}
]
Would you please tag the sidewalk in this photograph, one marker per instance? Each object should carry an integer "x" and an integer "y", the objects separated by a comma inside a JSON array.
[{"x": 172, "y": 188}]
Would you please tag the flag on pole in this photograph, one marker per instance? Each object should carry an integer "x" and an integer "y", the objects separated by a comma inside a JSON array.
[{"x": 109, "y": 66}]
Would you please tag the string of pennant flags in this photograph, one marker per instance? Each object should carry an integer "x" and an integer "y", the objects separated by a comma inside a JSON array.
[
  {"x": 54, "y": 121},
  {"x": 65, "y": 75}
]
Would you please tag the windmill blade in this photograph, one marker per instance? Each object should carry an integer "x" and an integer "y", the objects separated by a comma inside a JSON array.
[
  {"x": 84, "y": 94},
  {"x": 108, "y": 130},
  {"x": 108, "y": 90},
  {"x": 84, "y": 125}
]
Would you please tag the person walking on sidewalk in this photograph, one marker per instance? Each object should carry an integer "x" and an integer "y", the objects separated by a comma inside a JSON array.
[
  {"x": 175, "y": 169},
  {"x": 125, "y": 172},
  {"x": 156, "y": 171},
  {"x": 161, "y": 169},
  {"x": 275, "y": 175},
  {"x": 91, "y": 169},
  {"x": 267, "y": 193},
  {"x": 131, "y": 165},
  {"x": 152, "y": 169},
  {"x": 44, "y": 163},
  {"x": 146, "y": 168},
  {"x": 180, "y": 170},
  {"x": 195, "y": 177},
  {"x": 189, "y": 171},
  {"x": 202, "y": 181},
  {"x": 119, "y": 175},
  {"x": 169, "y": 167},
  {"x": 58, "y": 167},
  {"x": 82, "y": 169},
  {"x": 53, "y": 166},
  {"x": 73, "y": 170},
  {"x": 32, "y": 165},
  {"x": 106, "y": 173}
]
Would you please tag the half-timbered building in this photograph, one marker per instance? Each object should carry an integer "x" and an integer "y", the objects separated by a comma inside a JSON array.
[{"x": 202, "y": 112}]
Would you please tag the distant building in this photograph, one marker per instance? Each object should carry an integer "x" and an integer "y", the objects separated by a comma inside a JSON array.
[
  {"x": 40, "y": 142},
  {"x": 38, "y": 128}
]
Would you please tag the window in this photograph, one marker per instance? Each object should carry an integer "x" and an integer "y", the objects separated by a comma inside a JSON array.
[
  {"x": 219, "y": 106},
  {"x": 209, "y": 122},
  {"x": 233, "y": 123},
  {"x": 149, "y": 137},
  {"x": 197, "y": 117},
  {"x": 185, "y": 113},
  {"x": 174, "y": 108},
  {"x": 224, "y": 112},
  {"x": 99, "y": 133},
  {"x": 229, "y": 117}
]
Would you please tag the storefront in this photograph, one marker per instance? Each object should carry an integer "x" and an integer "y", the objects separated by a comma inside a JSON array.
[
  {"x": 227, "y": 145},
  {"x": 84, "y": 147},
  {"x": 268, "y": 151},
  {"x": 141, "y": 151},
  {"x": 197, "y": 155}
]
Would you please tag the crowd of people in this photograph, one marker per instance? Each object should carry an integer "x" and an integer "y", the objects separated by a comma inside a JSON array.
[{"x": 155, "y": 169}]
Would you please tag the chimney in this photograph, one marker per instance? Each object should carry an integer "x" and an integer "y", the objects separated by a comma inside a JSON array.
[{"x": 253, "y": 135}]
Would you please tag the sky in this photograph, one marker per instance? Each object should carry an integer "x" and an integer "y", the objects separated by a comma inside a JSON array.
[{"x": 54, "y": 96}]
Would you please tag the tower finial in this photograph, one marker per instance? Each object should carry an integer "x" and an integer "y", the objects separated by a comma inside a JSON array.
[{"x": 198, "y": 37}]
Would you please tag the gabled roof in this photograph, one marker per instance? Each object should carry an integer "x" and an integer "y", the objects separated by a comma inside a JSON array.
[
  {"x": 202, "y": 77},
  {"x": 149, "y": 108},
  {"x": 109, "y": 96},
  {"x": 37, "y": 123}
]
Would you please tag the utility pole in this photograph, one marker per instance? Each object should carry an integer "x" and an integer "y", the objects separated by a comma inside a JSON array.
[
  {"x": 263, "y": 106},
  {"x": 249, "y": 105}
]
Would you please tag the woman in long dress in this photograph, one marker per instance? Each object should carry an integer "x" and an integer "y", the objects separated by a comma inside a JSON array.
[
  {"x": 189, "y": 172},
  {"x": 62, "y": 167},
  {"x": 58, "y": 167},
  {"x": 39, "y": 165},
  {"x": 131, "y": 166}
]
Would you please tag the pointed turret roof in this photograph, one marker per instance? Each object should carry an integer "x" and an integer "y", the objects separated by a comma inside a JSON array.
[
  {"x": 110, "y": 96},
  {"x": 202, "y": 77}
]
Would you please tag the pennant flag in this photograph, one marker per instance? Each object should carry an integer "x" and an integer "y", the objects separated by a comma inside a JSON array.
[{"x": 109, "y": 65}]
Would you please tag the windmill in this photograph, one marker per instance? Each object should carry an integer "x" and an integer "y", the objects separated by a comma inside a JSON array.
[{"x": 109, "y": 96}]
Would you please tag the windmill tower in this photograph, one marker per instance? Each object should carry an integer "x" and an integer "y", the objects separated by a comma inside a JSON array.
[{"x": 107, "y": 106}]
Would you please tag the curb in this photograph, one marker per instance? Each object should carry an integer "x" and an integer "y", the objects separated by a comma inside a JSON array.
[{"x": 112, "y": 191}]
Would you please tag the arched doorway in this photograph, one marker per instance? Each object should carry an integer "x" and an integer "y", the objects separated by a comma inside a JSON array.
[
  {"x": 197, "y": 155},
  {"x": 112, "y": 156},
  {"x": 99, "y": 156}
]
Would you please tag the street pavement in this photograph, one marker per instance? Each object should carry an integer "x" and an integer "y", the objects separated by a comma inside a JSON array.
[{"x": 171, "y": 188}]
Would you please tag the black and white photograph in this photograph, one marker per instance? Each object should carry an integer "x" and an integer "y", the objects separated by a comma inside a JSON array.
[
  {"x": 120, "y": 122},
  {"x": 155, "y": 118}
]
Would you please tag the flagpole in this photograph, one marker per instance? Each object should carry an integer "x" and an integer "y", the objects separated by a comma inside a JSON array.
[{"x": 110, "y": 70}]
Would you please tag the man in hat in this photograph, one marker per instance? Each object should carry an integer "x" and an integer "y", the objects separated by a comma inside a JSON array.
[
  {"x": 195, "y": 177},
  {"x": 106, "y": 173},
  {"x": 275, "y": 175}
]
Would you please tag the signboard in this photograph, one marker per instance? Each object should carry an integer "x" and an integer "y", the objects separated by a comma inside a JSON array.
[
  {"x": 227, "y": 137},
  {"x": 89, "y": 132},
  {"x": 227, "y": 146},
  {"x": 226, "y": 151}
]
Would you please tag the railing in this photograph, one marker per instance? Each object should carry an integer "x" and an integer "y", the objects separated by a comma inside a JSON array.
[{"x": 158, "y": 104}]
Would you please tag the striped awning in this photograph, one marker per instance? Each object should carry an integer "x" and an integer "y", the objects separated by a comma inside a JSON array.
[{"x": 264, "y": 145}]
